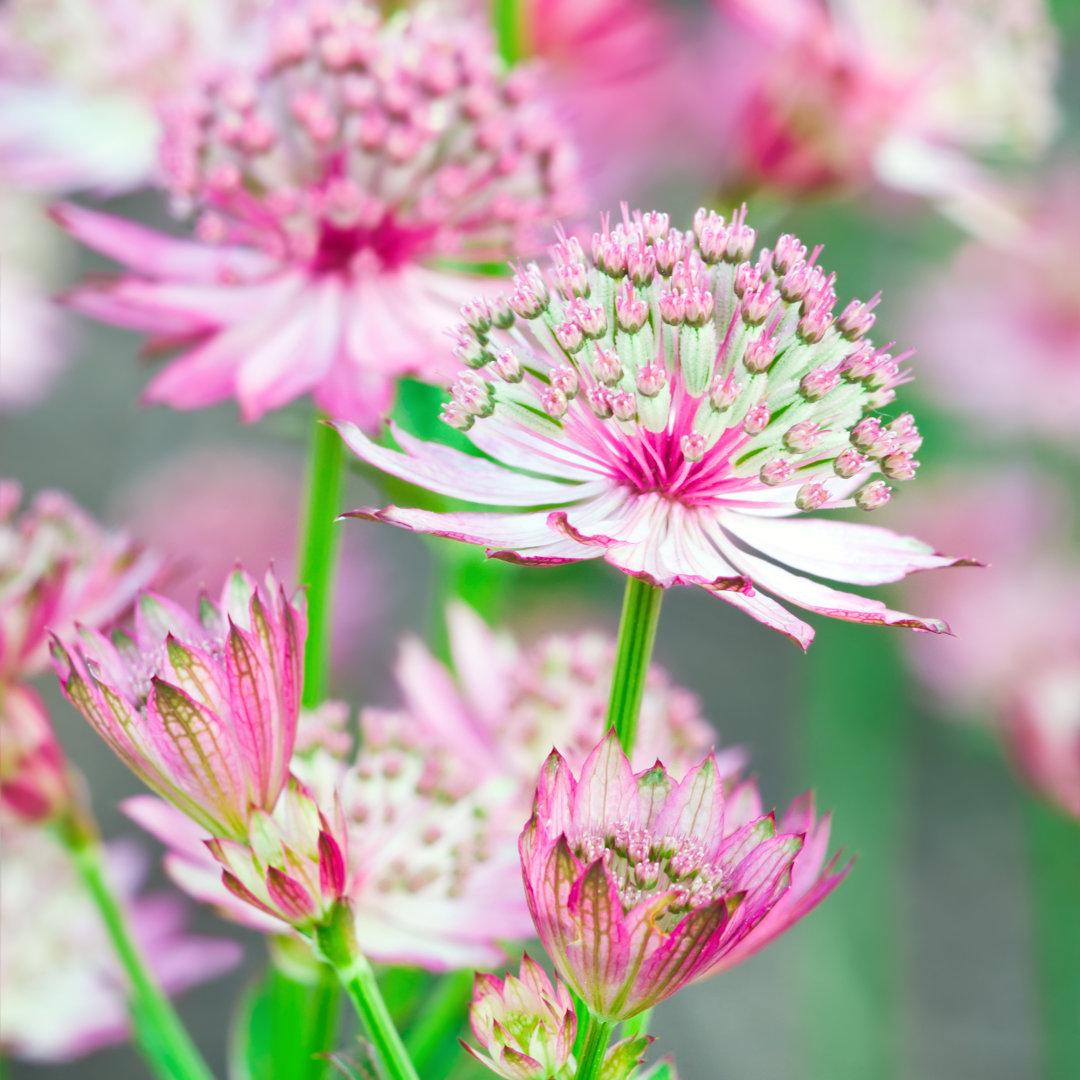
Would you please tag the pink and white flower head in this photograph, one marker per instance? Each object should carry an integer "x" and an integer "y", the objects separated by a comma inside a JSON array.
[
  {"x": 204, "y": 711},
  {"x": 63, "y": 989},
  {"x": 34, "y": 781},
  {"x": 525, "y": 1025},
  {"x": 292, "y": 864},
  {"x": 81, "y": 82},
  {"x": 331, "y": 183},
  {"x": 35, "y": 343},
  {"x": 57, "y": 567},
  {"x": 433, "y": 877},
  {"x": 1042, "y": 731},
  {"x": 669, "y": 406},
  {"x": 994, "y": 306},
  {"x": 907, "y": 94},
  {"x": 639, "y": 885}
]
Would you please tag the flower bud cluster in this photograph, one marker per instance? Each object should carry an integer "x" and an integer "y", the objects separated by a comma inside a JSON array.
[
  {"x": 401, "y": 137},
  {"x": 744, "y": 363}
]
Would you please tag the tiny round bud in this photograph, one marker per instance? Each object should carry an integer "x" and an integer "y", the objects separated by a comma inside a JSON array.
[
  {"x": 777, "y": 470},
  {"x": 812, "y": 496},
  {"x": 570, "y": 336},
  {"x": 554, "y": 402},
  {"x": 693, "y": 446},
  {"x": 872, "y": 496},
  {"x": 651, "y": 379},
  {"x": 723, "y": 393},
  {"x": 757, "y": 419},
  {"x": 624, "y": 406},
  {"x": 565, "y": 379},
  {"x": 607, "y": 366},
  {"x": 802, "y": 437},
  {"x": 849, "y": 463},
  {"x": 759, "y": 355}
]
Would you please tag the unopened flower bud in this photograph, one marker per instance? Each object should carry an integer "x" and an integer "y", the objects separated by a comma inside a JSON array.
[
  {"x": 849, "y": 463},
  {"x": 872, "y": 496},
  {"x": 693, "y": 446},
  {"x": 651, "y": 379},
  {"x": 777, "y": 470},
  {"x": 812, "y": 496},
  {"x": 757, "y": 419}
]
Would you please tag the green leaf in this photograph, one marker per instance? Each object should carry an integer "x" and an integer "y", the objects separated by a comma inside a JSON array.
[{"x": 284, "y": 1026}]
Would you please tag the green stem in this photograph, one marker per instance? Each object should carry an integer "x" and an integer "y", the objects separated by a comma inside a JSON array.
[
  {"x": 1053, "y": 843},
  {"x": 509, "y": 23},
  {"x": 637, "y": 632},
  {"x": 167, "y": 1046},
  {"x": 591, "y": 1061},
  {"x": 440, "y": 1018},
  {"x": 338, "y": 944},
  {"x": 318, "y": 550}
]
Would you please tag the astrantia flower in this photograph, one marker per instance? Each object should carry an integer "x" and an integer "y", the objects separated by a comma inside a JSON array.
[
  {"x": 328, "y": 182},
  {"x": 80, "y": 82},
  {"x": 907, "y": 94},
  {"x": 57, "y": 567},
  {"x": 638, "y": 885},
  {"x": 525, "y": 1025},
  {"x": 1042, "y": 729},
  {"x": 203, "y": 711},
  {"x": 994, "y": 306},
  {"x": 503, "y": 707},
  {"x": 667, "y": 405},
  {"x": 63, "y": 990}
]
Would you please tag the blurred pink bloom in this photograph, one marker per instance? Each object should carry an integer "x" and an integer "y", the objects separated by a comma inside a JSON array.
[
  {"x": 292, "y": 864},
  {"x": 525, "y": 1025},
  {"x": 62, "y": 987},
  {"x": 504, "y": 707},
  {"x": 186, "y": 505},
  {"x": 334, "y": 183},
  {"x": 203, "y": 711},
  {"x": 674, "y": 406},
  {"x": 996, "y": 313},
  {"x": 1024, "y": 608},
  {"x": 34, "y": 783},
  {"x": 1042, "y": 730},
  {"x": 57, "y": 567},
  {"x": 35, "y": 343},
  {"x": 907, "y": 94},
  {"x": 81, "y": 82},
  {"x": 639, "y": 885}
]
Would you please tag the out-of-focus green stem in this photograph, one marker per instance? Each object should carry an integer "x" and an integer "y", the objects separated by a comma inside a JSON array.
[
  {"x": 508, "y": 18},
  {"x": 337, "y": 941},
  {"x": 318, "y": 549},
  {"x": 591, "y": 1060},
  {"x": 1053, "y": 844},
  {"x": 439, "y": 1019},
  {"x": 162, "y": 1037},
  {"x": 857, "y": 742},
  {"x": 637, "y": 633}
]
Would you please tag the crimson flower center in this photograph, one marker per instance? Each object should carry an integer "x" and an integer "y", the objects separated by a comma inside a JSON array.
[{"x": 393, "y": 245}]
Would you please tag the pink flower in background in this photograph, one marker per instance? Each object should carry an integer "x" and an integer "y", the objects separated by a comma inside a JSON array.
[
  {"x": 669, "y": 406},
  {"x": 62, "y": 987},
  {"x": 996, "y": 314},
  {"x": 34, "y": 783},
  {"x": 1022, "y": 609},
  {"x": 35, "y": 343},
  {"x": 186, "y": 507},
  {"x": 57, "y": 567},
  {"x": 639, "y": 885},
  {"x": 907, "y": 94},
  {"x": 202, "y": 711},
  {"x": 81, "y": 82},
  {"x": 503, "y": 707},
  {"x": 1042, "y": 730},
  {"x": 334, "y": 184},
  {"x": 525, "y": 1025}
]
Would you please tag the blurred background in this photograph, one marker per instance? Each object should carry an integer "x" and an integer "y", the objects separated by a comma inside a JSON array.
[{"x": 926, "y": 961}]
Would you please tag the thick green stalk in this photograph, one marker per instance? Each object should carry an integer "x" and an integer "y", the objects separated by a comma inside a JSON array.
[
  {"x": 637, "y": 632},
  {"x": 857, "y": 744},
  {"x": 1053, "y": 843},
  {"x": 337, "y": 941},
  {"x": 591, "y": 1059},
  {"x": 318, "y": 548},
  {"x": 509, "y": 23},
  {"x": 160, "y": 1034}
]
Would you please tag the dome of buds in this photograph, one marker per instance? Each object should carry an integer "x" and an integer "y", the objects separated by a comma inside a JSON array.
[
  {"x": 667, "y": 397},
  {"x": 363, "y": 140},
  {"x": 705, "y": 375}
]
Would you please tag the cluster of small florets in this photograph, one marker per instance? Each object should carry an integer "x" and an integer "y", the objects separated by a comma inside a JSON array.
[
  {"x": 401, "y": 138},
  {"x": 744, "y": 366},
  {"x": 641, "y": 865}
]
